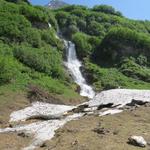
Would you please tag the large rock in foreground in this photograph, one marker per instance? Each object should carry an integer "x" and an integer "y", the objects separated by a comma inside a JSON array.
[{"x": 137, "y": 141}]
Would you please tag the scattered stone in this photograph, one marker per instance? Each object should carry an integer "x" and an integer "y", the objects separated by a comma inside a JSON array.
[
  {"x": 22, "y": 134},
  {"x": 147, "y": 105},
  {"x": 80, "y": 108},
  {"x": 116, "y": 132},
  {"x": 43, "y": 145},
  {"x": 75, "y": 142},
  {"x": 101, "y": 131},
  {"x": 137, "y": 141}
]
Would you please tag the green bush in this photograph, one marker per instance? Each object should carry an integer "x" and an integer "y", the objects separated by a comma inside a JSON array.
[
  {"x": 106, "y": 9},
  {"x": 110, "y": 78},
  {"x": 82, "y": 45},
  {"x": 11, "y": 26},
  {"x": 94, "y": 28},
  {"x": 49, "y": 36},
  {"x": 9, "y": 69},
  {"x": 131, "y": 69},
  {"x": 122, "y": 42},
  {"x": 46, "y": 60},
  {"x": 32, "y": 36}
]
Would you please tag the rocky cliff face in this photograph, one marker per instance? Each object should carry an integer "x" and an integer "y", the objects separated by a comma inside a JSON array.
[{"x": 54, "y": 4}]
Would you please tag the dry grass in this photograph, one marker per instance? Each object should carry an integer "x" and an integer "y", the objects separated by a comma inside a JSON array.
[{"x": 81, "y": 135}]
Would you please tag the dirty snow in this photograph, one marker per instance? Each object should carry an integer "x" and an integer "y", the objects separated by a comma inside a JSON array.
[
  {"x": 39, "y": 108},
  {"x": 120, "y": 97}
]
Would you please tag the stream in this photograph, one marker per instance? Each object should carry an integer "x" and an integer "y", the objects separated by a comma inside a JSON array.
[{"x": 74, "y": 65}]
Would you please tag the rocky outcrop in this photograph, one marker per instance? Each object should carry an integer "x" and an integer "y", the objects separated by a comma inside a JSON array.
[{"x": 55, "y": 4}]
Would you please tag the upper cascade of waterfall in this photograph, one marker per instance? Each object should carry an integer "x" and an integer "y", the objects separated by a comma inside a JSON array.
[{"x": 73, "y": 64}]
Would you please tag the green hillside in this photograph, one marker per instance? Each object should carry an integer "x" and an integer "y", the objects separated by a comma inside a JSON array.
[
  {"x": 30, "y": 53},
  {"x": 115, "y": 50}
]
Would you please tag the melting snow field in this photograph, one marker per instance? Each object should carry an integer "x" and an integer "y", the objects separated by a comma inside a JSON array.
[
  {"x": 120, "y": 97},
  {"x": 39, "y": 108},
  {"x": 45, "y": 130},
  {"x": 42, "y": 130}
]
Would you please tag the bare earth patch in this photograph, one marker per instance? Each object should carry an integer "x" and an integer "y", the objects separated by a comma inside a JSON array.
[{"x": 103, "y": 133}]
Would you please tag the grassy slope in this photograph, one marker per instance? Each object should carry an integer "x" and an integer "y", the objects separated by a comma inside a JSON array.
[
  {"x": 30, "y": 53},
  {"x": 105, "y": 40}
]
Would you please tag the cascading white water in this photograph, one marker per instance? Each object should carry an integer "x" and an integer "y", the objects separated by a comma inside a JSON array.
[{"x": 73, "y": 64}]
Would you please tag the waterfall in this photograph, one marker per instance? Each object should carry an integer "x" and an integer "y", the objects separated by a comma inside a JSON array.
[{"x": 73, "y": 64}]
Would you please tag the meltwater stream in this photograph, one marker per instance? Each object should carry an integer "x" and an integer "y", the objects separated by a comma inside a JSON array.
[{"x": 73, "y": 64}]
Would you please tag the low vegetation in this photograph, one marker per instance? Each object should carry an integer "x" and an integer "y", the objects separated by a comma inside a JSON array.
[
  {"x": 30, "y": 52},
  {"x": 115, "y": 50}
]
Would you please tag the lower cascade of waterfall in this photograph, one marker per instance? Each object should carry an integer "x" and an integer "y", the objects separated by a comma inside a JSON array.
[{"x": 73, "y": 65}]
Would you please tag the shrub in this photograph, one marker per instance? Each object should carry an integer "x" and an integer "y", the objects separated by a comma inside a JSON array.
[
  {"x": 32, "y": 36},
  {"x": 131, "y": 69},
  {"x": 82, "y": 45},
  {"x": 9, "y": 69},
  {"x": 106, "y": 9},
  {"x": 122, "y": 42},
  {"x": 11, "y": 26},
  {"x": 46, "y": 60}
]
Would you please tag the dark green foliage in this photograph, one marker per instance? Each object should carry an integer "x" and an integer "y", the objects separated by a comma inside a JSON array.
[
  {"x": 106, "y": 9},
  {"x": 96, "y": 29},
  {"x": 50, "y": 37},
  {"x": 131, "y": 69},
  {"x": 120, "y": 43},
  {"x": 32, "y": 54},
  {"x": 46, "y": 60},
  {"x": 18, "y": 1},
  {"x": 106, "y": 37},
  {"x": 11, "y": 25},
  {"x": 82, "y": 45},
  {"x": 9, "y": 69},
  {"x": 103, "y": 78},
  {"x": 32, "y": 36}
]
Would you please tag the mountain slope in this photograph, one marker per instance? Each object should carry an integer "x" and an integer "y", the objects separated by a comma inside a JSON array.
[
  {"x": 31, "y": 54},
  {"x": 54, "y": 4},
  {"x": 108, "y": 43}
]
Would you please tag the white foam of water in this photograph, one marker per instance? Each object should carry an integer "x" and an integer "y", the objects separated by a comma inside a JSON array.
[{"x": 73, "y": 64}]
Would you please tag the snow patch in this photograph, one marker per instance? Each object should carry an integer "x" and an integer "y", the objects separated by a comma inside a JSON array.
[
  {"x": 120, "y": 97},
  {"x": 110, "y": 112},
  {"x": 39, "y": 108},
  {"x": 42, "y": 130}
]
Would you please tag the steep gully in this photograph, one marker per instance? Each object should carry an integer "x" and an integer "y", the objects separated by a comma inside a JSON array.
[{"x": 106, "y": 102}]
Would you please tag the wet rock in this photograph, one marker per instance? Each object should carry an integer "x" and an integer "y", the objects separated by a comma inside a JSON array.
[
  {"x": 109, "y": 105},
  {"x": 136, "y": 102},
  {"x": 78, "y": 89},
  {"x": 137, "y": 141},
  {"x": 80, "y": 108}
]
